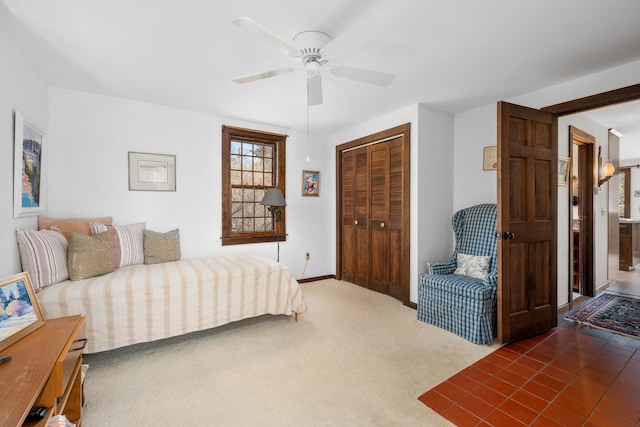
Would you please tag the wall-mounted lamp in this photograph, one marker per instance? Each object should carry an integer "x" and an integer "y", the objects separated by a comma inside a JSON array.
[
  {"x": 608, "y": 170},
  {"x": 274, "y": 198}
]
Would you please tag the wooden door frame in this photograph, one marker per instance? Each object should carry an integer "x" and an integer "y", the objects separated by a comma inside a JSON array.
[
  {"x": 592, "y": 102},
  {"x": 405, "y": 131},
  {"x": 586, "y": 193}
]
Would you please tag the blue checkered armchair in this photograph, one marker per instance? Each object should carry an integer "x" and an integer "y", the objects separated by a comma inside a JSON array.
[{"x": 458, "y": 303}]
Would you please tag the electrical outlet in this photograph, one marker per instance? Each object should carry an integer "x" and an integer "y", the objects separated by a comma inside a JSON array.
[{"x": 307, "y": 255}]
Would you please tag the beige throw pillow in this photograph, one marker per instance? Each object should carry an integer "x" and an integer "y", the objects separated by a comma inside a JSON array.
[
  {"x": 127, "y": 242},
  {"x": 161, "y": 247},
  {"x": 90, "y": 256}
]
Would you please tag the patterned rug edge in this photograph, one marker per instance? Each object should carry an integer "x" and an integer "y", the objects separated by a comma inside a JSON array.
[{"x": 596, "y": 304}]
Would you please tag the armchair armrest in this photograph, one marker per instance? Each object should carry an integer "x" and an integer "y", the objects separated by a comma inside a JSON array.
[
  {"x": 441, "y": 267},
  {"x": 491, "y": 279}
]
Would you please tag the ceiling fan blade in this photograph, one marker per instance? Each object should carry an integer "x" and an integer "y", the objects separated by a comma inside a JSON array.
[
  {"x": 260, "y": 76},
  {"x": 365, "y": 29},
  {"x": 314, "y": 90},
  {"x": 261, "y": 33},
  {"x": 362, "y": 75}
]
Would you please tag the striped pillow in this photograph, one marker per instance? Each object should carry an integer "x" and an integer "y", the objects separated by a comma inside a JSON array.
[
  {"x": 44, "y": 256},
  {"x": 128, "y": 242}
]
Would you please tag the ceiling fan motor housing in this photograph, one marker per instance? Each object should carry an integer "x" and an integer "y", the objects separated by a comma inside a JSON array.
[{"x": 311, "y": 46}]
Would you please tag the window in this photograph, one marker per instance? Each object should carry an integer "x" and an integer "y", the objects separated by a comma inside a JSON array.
[{"x": 252, "y": 162}]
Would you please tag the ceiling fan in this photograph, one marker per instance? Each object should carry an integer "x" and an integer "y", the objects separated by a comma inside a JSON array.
[{"x": 315, "y": 50}]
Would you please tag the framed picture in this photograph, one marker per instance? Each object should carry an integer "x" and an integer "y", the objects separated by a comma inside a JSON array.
[
  {"x": 563, "y": 170},
  {"x": 310, "y": 183},
  {"x": 19, "y": 310},
  {"x": 29, "y": 140},
  {"x": 152, "y": 172},
  {"x": 490, "y": 158}
]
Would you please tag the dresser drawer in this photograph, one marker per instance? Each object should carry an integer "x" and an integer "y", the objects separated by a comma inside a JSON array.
[{"x": 69, "y": 357}]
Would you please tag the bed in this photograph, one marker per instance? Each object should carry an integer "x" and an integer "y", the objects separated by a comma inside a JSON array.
[{"x": 146, "y": 302}]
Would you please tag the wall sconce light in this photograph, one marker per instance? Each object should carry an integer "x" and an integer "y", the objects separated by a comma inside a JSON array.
[
  {"x": 274, "y": 199},
  {"x": 608, "y": 170}
]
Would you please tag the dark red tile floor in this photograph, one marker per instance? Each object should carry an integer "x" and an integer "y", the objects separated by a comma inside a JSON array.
[{"x": 565, "y": 377}]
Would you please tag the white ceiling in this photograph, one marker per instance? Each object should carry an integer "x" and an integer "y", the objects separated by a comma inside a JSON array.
[{"x": 452, "y": 55}]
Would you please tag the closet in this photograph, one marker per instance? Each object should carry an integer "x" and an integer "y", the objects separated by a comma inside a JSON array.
[{"x": 373, "y": 212}]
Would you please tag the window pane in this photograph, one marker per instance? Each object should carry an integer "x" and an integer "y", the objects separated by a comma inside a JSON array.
[
  {"x": 236, "y": 162},
  {"x": 268, "y": 180},
  {"x": 236, "y": 147},
  {"x": 247, "y": 178},
  {"x": 236, "y": 194},
  {"x": 268, "y": 151},
  {"x": 236, "y": 210},
  {"x": 260, "y": 224},
  {"x": 236, "y": 178},
  {"x": 268, "y": 165},
  {"x": 257, "y": 164},
  {"x": 247, "y": 149},
  {"x": 248, "y": 209},
  {"x": 236, "y": 225},
  {"x": 258, "y": 150},
  {"x": 247, "y": 163}
]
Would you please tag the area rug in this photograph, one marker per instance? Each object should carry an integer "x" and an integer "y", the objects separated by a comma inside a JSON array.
[{"x": 612, "y": 312}]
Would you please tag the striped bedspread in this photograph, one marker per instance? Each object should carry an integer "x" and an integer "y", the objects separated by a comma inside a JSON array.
[{"x": 141, "y": 303}]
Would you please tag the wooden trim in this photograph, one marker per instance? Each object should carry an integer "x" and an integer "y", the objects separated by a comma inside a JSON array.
[
  {"x": 279, "y": 140},
  {"x": 587, "y": 143},
  {"x": 626, "y": 171},
  {"x": 317, "y": 278},
  {"x": 617, "y": 96}
]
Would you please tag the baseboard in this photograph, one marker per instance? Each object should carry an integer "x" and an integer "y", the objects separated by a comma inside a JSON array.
[{"x": 315, "y": 279}]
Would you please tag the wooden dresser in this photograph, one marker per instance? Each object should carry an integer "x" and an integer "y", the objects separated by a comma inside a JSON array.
[{"x": 45, "y": 371}]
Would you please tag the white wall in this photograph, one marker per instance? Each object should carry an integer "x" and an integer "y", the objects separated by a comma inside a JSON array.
[
  {"x": 92, "y": 136},
  {"x": 23, "y": 90},
  {"x": 473, "y": 131}
]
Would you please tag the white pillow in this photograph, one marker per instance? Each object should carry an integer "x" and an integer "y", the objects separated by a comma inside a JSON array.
[
  {"x": 44, "y": 256},
  {"x": 128, "y": 242},
  {"x": 473, "y": 265}
]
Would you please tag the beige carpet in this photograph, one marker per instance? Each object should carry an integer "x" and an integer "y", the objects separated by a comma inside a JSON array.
[{"x": 358, "y": 358}]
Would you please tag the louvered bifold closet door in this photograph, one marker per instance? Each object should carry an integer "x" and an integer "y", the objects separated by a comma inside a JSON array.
[
  {"x": 355, "y": 216},
  {"x": 386, "y": 184}
]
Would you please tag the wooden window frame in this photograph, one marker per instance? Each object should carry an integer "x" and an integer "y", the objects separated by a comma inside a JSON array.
[{"x": 230, "y": 133}]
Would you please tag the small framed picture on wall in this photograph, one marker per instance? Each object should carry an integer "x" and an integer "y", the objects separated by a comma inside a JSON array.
[
  {"x": 490, "y": 158},
  {"x": 310, "y": 183}
]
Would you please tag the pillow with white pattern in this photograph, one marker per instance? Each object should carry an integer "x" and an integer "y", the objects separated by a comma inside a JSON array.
[{"x": 473, "y": 265}]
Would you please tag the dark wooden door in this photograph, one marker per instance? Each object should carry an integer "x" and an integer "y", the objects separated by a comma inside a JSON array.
[
  {"x": 527, "y": 221},
  {"x": 585, "y": 145},
  {"x": 355, "y": 216},
  {"x": 386, "y": 185}
]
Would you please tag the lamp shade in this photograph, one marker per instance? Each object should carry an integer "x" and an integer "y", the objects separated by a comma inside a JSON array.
[
  {"x": 609, "y": 169},
  {"x": 273, "y": 197}
]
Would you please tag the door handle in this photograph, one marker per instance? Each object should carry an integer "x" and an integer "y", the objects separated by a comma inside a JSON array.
[
  {"x": 508, "y": 236},
  {"x": 382, "y": 224},
  {"x": 355, "y": 222}
]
